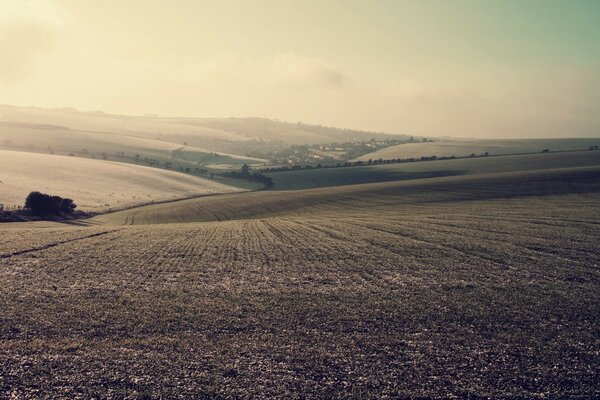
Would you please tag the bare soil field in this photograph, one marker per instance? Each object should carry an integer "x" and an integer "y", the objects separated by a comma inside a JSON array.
[{"x": 466, "y": 286}]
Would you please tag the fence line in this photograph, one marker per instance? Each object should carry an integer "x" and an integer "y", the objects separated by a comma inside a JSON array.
[{"x": 10, "y": 207}]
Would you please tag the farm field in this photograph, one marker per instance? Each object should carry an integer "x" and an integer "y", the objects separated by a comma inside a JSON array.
[
  {"x": 299, "y": 200},
  {"x": 354, "y": 198},
  {"x": 44, "y": 138},
  {"x": 483, "y": 285},
  {"x": 324, "y": 177},
  {"x": 95, "y": 185},
  {"x": 145, "y": 127},
  {"x": 203, "y": 132},
  {"x": 290, "y": 133},
  {"x": 466, "y": 147}
]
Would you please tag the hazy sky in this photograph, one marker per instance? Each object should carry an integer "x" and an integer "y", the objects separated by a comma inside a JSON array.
[{"x": 521, "y": 68}]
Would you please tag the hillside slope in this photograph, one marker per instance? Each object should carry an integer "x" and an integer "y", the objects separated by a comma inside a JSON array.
[
  {"x": 146, "y": 127},
  {"x": 95, "y": 185},
  {"x": 323, "y": 177},
  {"x": 355, "y": 199},
  {"x": 58, "y": 139},
  {"x": 290, "y": 133},
  {"x": 194, "y": 130},
  {"x": 464, "y": 148}
]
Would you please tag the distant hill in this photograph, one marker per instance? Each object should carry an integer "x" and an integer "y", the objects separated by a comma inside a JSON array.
[
  {"x": 464, "y": 148},
  {"x": 291, "y": 133},
  {"x": 225, "y": 129},
  {"x": 146, "y": 127},
  {"x": 44, "y": 138}
]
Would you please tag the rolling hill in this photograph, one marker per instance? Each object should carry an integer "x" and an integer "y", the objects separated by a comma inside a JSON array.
[
  {"x": 355, "y": 199},
  {"x": 464, "y": 148},
  {"x": 95, "y": 185},
  {"x": 146, "y": 127},
  {"x": 81, "y": 143},
  {"x": 214, "y": 134},
  {"x": 322, "y": 177},
  {"x": 289, "y": 133}
]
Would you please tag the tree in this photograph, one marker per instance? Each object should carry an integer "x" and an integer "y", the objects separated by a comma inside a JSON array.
[
  {"x": 45, "y": 204},
  {"x": 245, "y": 170}
]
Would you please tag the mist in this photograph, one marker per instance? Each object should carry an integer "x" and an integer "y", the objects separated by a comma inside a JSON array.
[{"x": 470, "y": 69}]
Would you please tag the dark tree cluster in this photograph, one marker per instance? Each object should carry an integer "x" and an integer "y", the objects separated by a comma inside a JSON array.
[
  {"x": 244, "y": 173},
  {"x": 265, "y": 180},
  {"x": 45, "y": 204},
  {"x": 361, "y": 163}
]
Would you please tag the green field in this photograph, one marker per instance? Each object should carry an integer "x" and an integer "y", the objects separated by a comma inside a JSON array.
[{"x": 322, "y": 177}]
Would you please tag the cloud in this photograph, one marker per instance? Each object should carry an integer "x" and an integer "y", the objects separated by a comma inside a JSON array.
[
  {"x": 22, "y": 42},
  {"x": 296, "y": 69},
  {"x": 558, "y": 101},
  {"x": 425, "y": 89},
  {"x": 278, "y": 71}
]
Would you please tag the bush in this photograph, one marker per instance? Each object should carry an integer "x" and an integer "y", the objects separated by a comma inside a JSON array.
[{"x": 45, "y": 204}]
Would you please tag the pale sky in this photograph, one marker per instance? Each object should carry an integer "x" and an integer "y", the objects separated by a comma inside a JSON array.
[{"x": 480, "y": 68}]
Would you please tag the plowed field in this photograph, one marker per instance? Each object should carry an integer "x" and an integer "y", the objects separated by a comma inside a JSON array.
[{"x": 375, "y": 291}]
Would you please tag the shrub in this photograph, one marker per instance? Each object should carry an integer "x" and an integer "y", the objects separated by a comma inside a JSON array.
[{"x": 45, "y": 204}]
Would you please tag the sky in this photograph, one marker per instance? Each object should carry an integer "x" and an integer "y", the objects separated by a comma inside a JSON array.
[{"x": 464, "y": 68}]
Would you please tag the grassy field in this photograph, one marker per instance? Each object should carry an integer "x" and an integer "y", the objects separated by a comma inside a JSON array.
[
  {"x": 324, "y": 177},
  {"x": 95, "y": 185},
  {"x": 471, "y": 286},
  {"x": 464, "y": 148}
]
